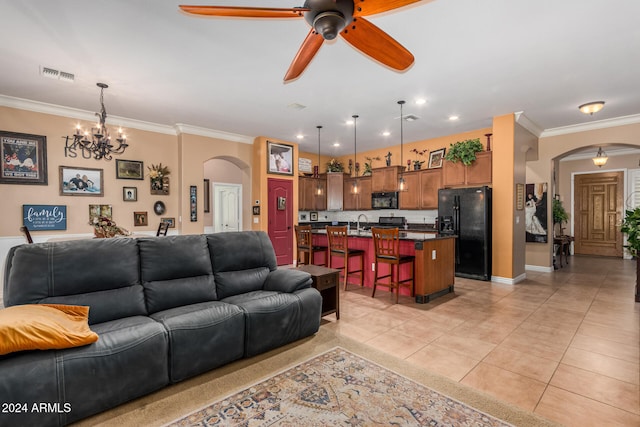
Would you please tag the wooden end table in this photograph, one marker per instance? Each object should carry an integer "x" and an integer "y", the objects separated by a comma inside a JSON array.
[{"x": 326, "y": 280}]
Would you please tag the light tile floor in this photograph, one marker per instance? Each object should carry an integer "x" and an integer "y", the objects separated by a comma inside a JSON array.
[{"x": 564, "y": 345}]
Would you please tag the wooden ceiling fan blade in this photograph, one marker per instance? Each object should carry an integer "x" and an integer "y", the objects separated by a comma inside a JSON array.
[
  {"x": 245, "y": 12},
  {"x": 307, "y": 51},
  {"x": 372, "y": 41},
  {"x": 371, "y": 7}
]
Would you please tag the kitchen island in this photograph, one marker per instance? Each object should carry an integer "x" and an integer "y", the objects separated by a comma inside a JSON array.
[{"x": 435, "y": 260}]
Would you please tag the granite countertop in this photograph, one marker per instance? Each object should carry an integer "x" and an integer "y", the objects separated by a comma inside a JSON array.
[{"x": 404, "y": 235}]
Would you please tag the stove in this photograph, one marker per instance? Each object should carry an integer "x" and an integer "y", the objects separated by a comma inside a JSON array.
[{"x": 391, "y": 221}]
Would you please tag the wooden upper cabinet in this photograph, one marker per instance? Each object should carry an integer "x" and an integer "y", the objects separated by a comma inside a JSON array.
[
  {"x": 385, "y": 179},
  {"x": 335, "y": 182},
  {"x": 422, "y": 189},
  {"x": 360, "y": 201},
  {"x": 478, "y": 173},
  {"x": 430, "y": 183},
  {"x": 308, "y": 199},
  {"x": 410, "y": 199}
]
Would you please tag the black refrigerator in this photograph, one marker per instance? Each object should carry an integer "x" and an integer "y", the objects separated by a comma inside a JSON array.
[{"x": 466, "y": 213}]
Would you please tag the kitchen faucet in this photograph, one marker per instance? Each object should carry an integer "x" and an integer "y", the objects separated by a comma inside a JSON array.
[{"x": 358, "y": 221}]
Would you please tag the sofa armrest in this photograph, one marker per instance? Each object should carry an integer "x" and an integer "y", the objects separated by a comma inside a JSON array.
[{"x": 287, "y": 280}]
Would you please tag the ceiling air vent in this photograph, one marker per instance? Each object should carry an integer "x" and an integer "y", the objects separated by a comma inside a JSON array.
[
  {"x": 296, "y": 106},
  {"x": 57, "y": 75},
  {"x": 410, "y": 117}
]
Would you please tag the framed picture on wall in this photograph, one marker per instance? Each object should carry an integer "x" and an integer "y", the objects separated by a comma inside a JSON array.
[
  {"x": 140, "y": 219},
  {"x": 279, "y": 158},
  {"x": 130, "y": 194},
  {"x": 24, "y": 158},
  {"x": 170, "y": 220},
  {"x": 435, "y": 158},
  {"x": 193, "y": 203},
  {"x": 129, "y": 169},
  {"x": 76, "y": 181}
]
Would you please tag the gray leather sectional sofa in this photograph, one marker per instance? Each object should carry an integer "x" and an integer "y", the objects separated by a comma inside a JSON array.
[{"x": 164, "y": 308}]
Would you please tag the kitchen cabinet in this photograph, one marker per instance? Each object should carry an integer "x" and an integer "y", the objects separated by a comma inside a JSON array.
[
  {"x": 422, "y": 189},
  {"x": 335, "y": 190},
  {"x": 410, "y": 199},
  {"x": 308, "y": 199},
  {"x": 385, "y": 179},
  {"x": 477, "y": 173},
  {"x": 360, "y": 201}
]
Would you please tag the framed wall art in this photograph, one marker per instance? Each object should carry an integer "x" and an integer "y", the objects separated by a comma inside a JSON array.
[
  {"x": 170, "y": 220},
  {"x": 535, "y": 209},
  {"x": 435, "y": 158},
  {"x": 206, "y": 190},
  {"x": 129, "y": 169},
  {"x": 140, "y": 219},
  {"x": 280, "y": 158},
  {"x": 130, "y": 194},
  {"x": 44, "y": 217},
  {"x": 193, "y": 203},
  {"x": 97, "y": 211},
  {"x": 76, "y": 181},
  {"x": 24, "y": 158}
]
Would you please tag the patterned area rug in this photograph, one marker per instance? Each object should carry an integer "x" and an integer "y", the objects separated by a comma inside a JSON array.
[{"x": 338, "y": 388}]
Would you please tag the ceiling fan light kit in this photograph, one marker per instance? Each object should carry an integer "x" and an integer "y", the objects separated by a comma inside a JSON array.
[{"x": 327, "y": 19}]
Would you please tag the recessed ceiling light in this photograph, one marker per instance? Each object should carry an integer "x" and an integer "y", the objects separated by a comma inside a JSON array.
[
  {"x": 453, "y": 118},
  {"x": 386, "y": 133},
  {"x": 421, "y": 101},
  {"x": 336, "y": 144},
  {"x": 349, "y": 122},
  {"x": 300, "y": 136}
]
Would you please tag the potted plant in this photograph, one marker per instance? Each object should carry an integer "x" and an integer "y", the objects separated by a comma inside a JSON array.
[
  {"x": 631, "y": 227},
  {"x": 464, "y": 151},
  {"x": 559, "y": 214},
  {"x": 417, "y": 164},
  {"x": 335, "y": 166}
]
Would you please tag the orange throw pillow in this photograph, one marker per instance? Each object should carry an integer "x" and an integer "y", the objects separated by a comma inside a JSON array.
[{"x": 44, "y": 327}]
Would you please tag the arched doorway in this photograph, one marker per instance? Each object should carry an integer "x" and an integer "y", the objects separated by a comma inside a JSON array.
[{"x": 229, "y": 194}]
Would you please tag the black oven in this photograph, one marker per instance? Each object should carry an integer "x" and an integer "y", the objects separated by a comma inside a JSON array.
[{"x": 387, "y": 200}]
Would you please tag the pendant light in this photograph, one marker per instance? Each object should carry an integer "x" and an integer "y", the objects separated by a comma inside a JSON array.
[
  {"x": 601, "y": 158},
  {"x": 355, "y": 189},
  {"x": 316, "y": 169},
  {"x": 402, "y": 184}
]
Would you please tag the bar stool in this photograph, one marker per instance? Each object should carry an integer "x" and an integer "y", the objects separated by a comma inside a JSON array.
[
  {"x": 386, "y": 243},
  {"x": 304, "y": 242},
  {"x": 338, "y": 246}
]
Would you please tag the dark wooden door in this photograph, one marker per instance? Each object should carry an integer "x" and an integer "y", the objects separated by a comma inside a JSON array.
[
  {"x": 280, "y": 193},
  {"x": 598, "y": 211}
]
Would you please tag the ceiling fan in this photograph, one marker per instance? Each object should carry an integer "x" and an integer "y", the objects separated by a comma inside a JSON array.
[{"x": 328, "y": 18}]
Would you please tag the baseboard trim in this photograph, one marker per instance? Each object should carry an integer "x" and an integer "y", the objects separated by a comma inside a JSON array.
[{"x": 540, "y": 268}]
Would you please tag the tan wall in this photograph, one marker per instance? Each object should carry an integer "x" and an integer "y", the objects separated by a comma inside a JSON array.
[
  {"x": 554, "y": 147},
  {"x": 194, "y": 151},
  {"x": 149, "y": 147}
]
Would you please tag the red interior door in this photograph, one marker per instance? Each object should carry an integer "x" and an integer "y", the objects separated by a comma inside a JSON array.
[{"x": 280, "y": 207}]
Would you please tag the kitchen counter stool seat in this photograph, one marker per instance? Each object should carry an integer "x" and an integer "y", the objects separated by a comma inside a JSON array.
[
  {"x": 304, "y": 242},
  {"x": 386, "y": 243},
  {"x": 339, "y": 247}
]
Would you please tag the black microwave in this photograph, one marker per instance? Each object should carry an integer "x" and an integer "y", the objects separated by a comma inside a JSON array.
[{"x": 387, "y": 200}]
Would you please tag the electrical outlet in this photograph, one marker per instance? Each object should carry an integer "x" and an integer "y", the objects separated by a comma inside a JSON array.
[
  {"x": 373, "y": 266},
  {"x": 433, "y": 254}
]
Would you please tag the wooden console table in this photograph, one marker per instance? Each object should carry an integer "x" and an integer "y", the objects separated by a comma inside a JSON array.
[{"x": 326, "y": 280}]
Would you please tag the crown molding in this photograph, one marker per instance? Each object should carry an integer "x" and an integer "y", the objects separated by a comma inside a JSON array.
[
  {"x": 528, "y": 124},
  {"x": 74, "y": 113},
  {"x": 599, "y": 124},
  {"x": 218, "y": 134}
]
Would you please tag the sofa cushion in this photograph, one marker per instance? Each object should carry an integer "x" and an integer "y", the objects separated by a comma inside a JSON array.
[
  {"x": 274, "y": 318},
  {"x": 202, "y": 337},
  {"x": 241, "y": 261},
  {"x": 176, "y": 271},
  {"x": 100, "y": 273},
  {"x": 44, "y": 327},
  {"x": 129, "y": 360}
]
